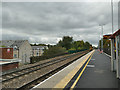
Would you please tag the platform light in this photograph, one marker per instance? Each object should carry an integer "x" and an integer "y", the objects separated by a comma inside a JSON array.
[
  {"x": 102, "y": 37},
  {"x": 112, "y": 15}
]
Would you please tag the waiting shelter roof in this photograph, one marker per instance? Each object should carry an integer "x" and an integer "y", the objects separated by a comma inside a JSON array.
[
  {"x": 115, "y": 34},
  {"x": 112, "y": 36}
]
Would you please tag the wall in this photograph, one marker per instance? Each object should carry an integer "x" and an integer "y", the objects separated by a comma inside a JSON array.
[
  {"x": 15, "y": 52},
  {"x": 9, "y": 66},
  {"x": 6, "y": 53},
  {"x": 25, "y": 52},
  {"x": 35, "y": 51}
]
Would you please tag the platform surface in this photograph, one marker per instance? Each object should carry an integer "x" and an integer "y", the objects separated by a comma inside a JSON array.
[{"x": 96, "y": 74}]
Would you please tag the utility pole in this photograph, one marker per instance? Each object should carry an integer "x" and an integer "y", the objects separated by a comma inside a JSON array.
[
  {"x": 102, "y": 37},
  {"x": 112, "y": 15},
  {"x": 99, "y": 41}
]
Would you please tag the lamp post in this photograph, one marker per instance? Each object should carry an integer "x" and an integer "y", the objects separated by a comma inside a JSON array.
[
  {"x": 112, "y": 41},
  {"x": 112, "y": 14},
  {"x": 102, "y": 37},
  {"x": 99, "y": 41}
]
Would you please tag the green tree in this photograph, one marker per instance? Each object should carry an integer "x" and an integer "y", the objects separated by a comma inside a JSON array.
[
  {"x": 75, "y": 45},
  {"x": 87, "y": 45},
  {"x": 78, "y": 44},
  {"x": 107, "y": 44},
  {"x": 66, "y": 42},
  {"x": 53, "y": 51},
  {"x": 81, "y": 43}
]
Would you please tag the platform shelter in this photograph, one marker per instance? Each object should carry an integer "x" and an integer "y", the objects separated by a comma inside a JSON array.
[{"x": 115, "y": 52}]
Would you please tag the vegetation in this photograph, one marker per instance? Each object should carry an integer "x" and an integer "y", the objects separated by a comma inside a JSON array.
[
  {"x": 78, "y": 44},
  {"x": 38, "y": 44},
  {"x": 49, "y": 53},
  {"x": 2, "y": 46},
  {"x": 106, "y": 43},
  {"x": 66, "y": 42},
  {"x": 53, "y": 51},
  {"x": 106, "y": 46},
  {"x": 64, "y": 46}
]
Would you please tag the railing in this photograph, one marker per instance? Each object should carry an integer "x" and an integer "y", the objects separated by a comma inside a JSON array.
[{"x": 107, "y": 50}]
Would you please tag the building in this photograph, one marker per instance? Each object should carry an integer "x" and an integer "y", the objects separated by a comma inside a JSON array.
[
  {"x": 21, "y": 49},
  {"x": 8, "y": 64},
  {"x": 6, "y": 59},
  {"x": 6, "y": 53},
  {"x": 38, "y": 50}
]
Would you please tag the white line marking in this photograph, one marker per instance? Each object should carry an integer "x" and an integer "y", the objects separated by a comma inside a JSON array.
[
  {"x": 90, "y": 65},
  {"x": 92, "y": 59},
  {"x": 106, "y": 54}
]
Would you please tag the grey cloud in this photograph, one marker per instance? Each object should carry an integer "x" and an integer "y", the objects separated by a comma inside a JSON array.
[{"x": 48, "y": 22}]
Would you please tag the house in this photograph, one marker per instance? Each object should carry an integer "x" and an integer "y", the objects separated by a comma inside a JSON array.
[
  {"x": 6, "y": 59},
  {"x": 38, "y": 50},
  {"x": 21, "y": 49},
  {"x": 6, "y": 53}
]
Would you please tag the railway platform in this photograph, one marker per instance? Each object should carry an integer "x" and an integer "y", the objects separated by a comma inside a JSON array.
[{"x": 90, "y": 71}]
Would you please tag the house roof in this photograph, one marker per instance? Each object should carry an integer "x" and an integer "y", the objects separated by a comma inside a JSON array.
[{"x": 12, "y": 43}]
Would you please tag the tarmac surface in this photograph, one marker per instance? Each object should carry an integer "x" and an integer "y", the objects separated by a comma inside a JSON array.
[{"x": 97, "y": 74}]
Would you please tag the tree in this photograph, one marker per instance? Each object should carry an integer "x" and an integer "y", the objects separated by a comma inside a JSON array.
[
  {"x": 53, "y": 51},
  {"x": 78, "y": 44},
  {"x": 75, "y": 45},
  {"x": 81, "y": 43},
  {"x": 42, "y": 45},
  {"x": 106, "y": 46},
  {"x": 87, "y": 45},
  {"x": 66, "y": 42},
  {"x": 106, "y": 43}
]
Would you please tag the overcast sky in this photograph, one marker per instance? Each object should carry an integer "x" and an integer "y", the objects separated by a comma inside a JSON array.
[{"x": 48, "y": 22}]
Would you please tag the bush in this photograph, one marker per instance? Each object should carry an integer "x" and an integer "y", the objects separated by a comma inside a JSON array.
[
  {"x": 75, "y": 51},
  {"x": 53, "y": 51},
  {"x": 49, "y": 53}
]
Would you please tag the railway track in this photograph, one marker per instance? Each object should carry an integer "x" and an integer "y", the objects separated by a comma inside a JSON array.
[
  {"x": 26, "y": 71},
  {"x": 18, "y": 73},
  {"x": 33, "y": 83}
]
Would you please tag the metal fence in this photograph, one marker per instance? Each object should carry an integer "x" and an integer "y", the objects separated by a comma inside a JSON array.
[{"x": 107, "y": 50}]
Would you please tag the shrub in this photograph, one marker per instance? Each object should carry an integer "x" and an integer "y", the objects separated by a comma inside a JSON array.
[{"x": 49, "y": 53}]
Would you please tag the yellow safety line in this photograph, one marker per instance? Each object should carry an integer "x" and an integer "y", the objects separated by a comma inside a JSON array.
[
  {"x": 81, "y": 73},
  {"x": 68, "y": 77}
]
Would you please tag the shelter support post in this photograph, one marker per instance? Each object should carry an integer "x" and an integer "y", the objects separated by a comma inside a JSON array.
[
  {"x": 116, "y": 40},
  {"x": 119, "y": 56},
  {"x": 111, "y": 54},
  {"x": 113, "y": 64}
]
